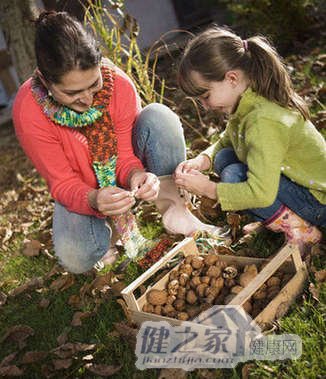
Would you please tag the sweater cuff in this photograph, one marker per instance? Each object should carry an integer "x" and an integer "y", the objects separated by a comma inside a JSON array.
[
  {"x": 223, "y": 197},
  {"x": 92, "y": 211}
]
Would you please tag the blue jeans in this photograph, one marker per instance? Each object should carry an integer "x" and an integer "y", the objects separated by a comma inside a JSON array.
[
  {"x": 294, "y": 196},
  {"x": 158, "y": 141}
]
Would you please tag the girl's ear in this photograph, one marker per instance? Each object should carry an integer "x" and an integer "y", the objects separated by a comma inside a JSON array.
[{"x": 232, "y": 77}]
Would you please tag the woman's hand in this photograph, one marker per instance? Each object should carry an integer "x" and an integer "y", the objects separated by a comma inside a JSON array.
[
  {"x": 145, "y": 185},
  {"x": 111, "y": 200},
  {"x": 196, "y": 182},
  {"x": 200, "y": 163}
]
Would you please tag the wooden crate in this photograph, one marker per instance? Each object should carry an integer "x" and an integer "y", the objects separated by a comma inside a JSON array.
[{"x": 288, "y": 257}]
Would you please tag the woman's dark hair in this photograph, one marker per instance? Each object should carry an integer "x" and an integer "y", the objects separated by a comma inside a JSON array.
[
  {"x": 215, "y": 51},
  {"x": 62, "y": 44}
]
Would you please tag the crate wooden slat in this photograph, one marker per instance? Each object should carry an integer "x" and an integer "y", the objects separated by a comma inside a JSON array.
[{"x": 288, "y": 257}]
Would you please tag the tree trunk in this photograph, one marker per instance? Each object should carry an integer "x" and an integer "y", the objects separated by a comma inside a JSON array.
[{"x": 15, "y": 22}]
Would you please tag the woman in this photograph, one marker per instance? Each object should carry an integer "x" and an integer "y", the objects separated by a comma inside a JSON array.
[{"x": 79, "y": 120}]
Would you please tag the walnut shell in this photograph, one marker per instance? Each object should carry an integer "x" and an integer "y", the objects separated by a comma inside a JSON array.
[
  {"x": 210, "y": 259},
  {"x": 214, "y": 271},
  {"x": 273, "y": 281},
  {"x": 201, "y": 289},
  {"x": 158, "y": 309},
  {"x": 149, "y": 308},
  {"x": 230, "y": 272},
  {"x": 188, "y": 258},
  {"x": 157, "y": 297},
  {"x": 236, "y": 289},
  {"x": 247, "y": 306},
  {"x": 182, "y": 316},
  {"x": 205, "y": 279},
  {"x": 197, "y": 262},
  {"x": 195, "y": 281},
  {"x": 173, "y": 287},
  {"x": 217, "y": 282},
  {"x": 168, "y": 309},
  {"x": 179, "y": 305},
  {"x": 186, "y": 268},
  {"x": 193, "y": 310},
  {"x": 251, "y": 268},
  {"x": 191, "y": 297},
  {"x": 174, "y": 275},
  {"x": 170, "y": 299},
  {"x": 181, "y": 294},
  {"x": 183, "y": 279}
]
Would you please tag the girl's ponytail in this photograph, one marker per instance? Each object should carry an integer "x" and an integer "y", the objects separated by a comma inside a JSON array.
[
  {"x": 215, "y": 51},
  {"x": 269, "y": 77}
]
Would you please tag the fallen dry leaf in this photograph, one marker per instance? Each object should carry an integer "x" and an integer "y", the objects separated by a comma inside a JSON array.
[
  {"x": 128, "y": 333},
  {"x": 62, "y": 339},
  {"x": 79, "y": 316},
  {"x": 18, "y": 333},
  {"x": 3, "y": 298},
  {"x": 173, "y": 373},
  {"x": 314, "y": 291},
  {"x": 233, "y": 219},
  {"x": 12, "y": 370},
  {"x": 320, "y": 276},
  {"x": 102, "y": 370},
  {"x": 29, "y": 286},
  {"x": 60, "y": 364},
  {"x": 6, "y": 360},
  {"x": 44, "y": 303},
  {"x": 117, "y": 287},
  {"x": 75, "y": 301},
  {"x": 62, "y": 283},
  {"x": 33, "y": 356},
  {"x": 56, "y": 269},
  {"x": 69, "y": 349},
  {"x": 32, "y": 248},
  {"x": 245, "y": 372}
]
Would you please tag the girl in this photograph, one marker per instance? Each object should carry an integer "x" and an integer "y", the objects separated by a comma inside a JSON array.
[{"x": 271, "y": 160}]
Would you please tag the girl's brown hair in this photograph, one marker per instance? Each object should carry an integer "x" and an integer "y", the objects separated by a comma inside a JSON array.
[
  {"x": 62, "y": 44},
  {"x": 215, "y": 51}
]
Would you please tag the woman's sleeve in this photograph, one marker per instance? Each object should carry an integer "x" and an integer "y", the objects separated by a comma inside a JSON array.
[
  {"x": 124, "y": 110},
  {"x": 65, "y": 186}
]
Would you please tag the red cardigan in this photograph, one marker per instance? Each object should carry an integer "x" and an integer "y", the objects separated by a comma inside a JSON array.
[{"x": 60, "y": 154}]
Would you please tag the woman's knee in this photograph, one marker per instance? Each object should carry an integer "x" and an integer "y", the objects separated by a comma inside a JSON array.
[
  {"x": 79, "y": 240},
  {"x": 234, "y": 173}
]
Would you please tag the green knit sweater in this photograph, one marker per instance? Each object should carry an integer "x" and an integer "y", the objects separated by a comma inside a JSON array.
[{"x": 271, "y": 140}]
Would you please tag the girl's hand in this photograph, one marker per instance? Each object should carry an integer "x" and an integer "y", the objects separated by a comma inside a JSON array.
[
  {"x": 145, "y": 185},
  {"x": 200, "y": 163},
  {"x": 112, "y": 201},
  {"x": 197, "y": 183}
]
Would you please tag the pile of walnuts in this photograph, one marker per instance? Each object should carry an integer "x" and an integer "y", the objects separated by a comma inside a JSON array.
[{"x": 203, "y": 281}]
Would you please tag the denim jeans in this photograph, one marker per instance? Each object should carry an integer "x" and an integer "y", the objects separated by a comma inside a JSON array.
[
  {"x": 291, "y": 194},
  {"x": 158, "y": 141}
]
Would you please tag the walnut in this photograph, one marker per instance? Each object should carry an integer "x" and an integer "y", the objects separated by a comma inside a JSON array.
[
  {"x": 168, "y": 309},
  {"x": 210, "y": 259},
  {"x": 193, "y": 310},
  {"x": 173, "y": 287},
  {"x": 250, "y": 272},
  {"x": 183, "y": 279},
  {"x": 158, "y": 309},
  {"x": 182, "y": 316},
  {"x": 272, "y": 292},
  {"x": 181, "y": 294},
  {"x": 214, "y": 271},
  {"x": 205, "y": 279},
  {"x": 229, "y": 283},
  {"x": 230, "y": 272},
  {"x": 260, "y": 294},
  {"x": 273, "y": 281},
  {"x": 201, "y": 289},
  {"x": 195, "y": 281},
  {"x": 179, "y": 305},
  {"x": 157, "y": 297},
  {"x": 191, "y": 297},
  {"x": 236, "y": 289},
  {"x": 149, "y": 308},
  {"x": 196, "y": 272},
  {"x": 174, "y": 275},
  {"x": 170, "y": 299},
  {"x": 186, "y": 268},
  {"x": 189, "y": 258},
  {"x": 217, "y": 282},
  {"x": 247, "y": 306},
  {"x": 197, "y": 262}
]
